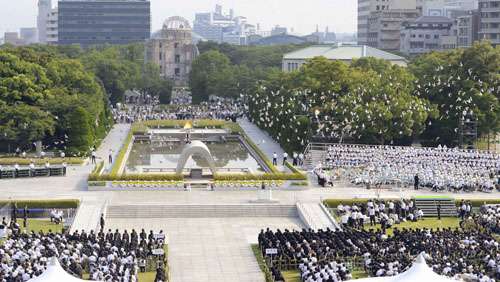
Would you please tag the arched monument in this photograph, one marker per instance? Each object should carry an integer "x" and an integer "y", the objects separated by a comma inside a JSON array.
[{"x": 195, "y": 148}]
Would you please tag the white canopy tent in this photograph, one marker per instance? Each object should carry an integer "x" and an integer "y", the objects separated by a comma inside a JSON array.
[
  {"x": 419, "y": 272},
  {"x": 55, "y": 273}
]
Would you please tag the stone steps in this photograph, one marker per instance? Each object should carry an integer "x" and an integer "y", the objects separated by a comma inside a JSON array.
[
  {"x": 429, "y": 207},
  {"x": 201, "y": 211},
  {"x": 315, "y": 217}
]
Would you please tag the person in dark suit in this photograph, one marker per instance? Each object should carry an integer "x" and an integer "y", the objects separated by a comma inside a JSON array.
[
  {"x": 102, "y": 222},
  {"x": 439, "y": 210},
  {"x": 416, "y": 181}
]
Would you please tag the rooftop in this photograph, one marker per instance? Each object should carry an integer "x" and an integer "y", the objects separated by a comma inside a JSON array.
[
  {"x": 342, "y": 52},
  {"x": 433, "y": 19}
]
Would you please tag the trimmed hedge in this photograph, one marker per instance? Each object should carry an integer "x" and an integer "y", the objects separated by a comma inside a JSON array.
[
  {"x": 138, "y": 177},
  {"x": 45, "y": 204},
  {"x": 96, "y": 183},
  {"x": 266, "y": 176},
  {"x": 292, "y": 168},
  {"x": 261, "y": 155},
  {"x": 479, "y": 202},
  {"x": 262, "y": 262},
  {"x": 121, "y": 155},
  {"x": 199, "y": 123},
  {"x": 38, "y": 161}
]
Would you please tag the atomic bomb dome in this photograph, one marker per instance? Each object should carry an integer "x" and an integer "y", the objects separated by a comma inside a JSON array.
[
  {"x": 173, "y": 50},
  {"x": 176, "y": 23}
]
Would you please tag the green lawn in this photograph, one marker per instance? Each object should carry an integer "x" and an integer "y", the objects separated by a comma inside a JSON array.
[
  {"x": 260, "y": 261},
  {"x": 146, "y": 276},
  {"x": 359, "y": 273},
  {"x": 38, "y": 225},
  {"x": 291, "y": 275},
  {"x": 428, "y": 222}
]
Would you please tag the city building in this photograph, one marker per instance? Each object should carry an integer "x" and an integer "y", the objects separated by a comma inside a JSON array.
[
  {"x": 445, "y": 8},
  {"x": 44, "y": 9},
  {"x": 52, "y": 27},
  {"x": 365, "y": 7},
  {"x": 489, "y": 13},
  {"x": 384, "y": 31},
  {"x": 277, "y": 30},
  {"x": 173, "y": 50},
  {"x": 12, "y": 38},
  {"x": 342, "y": 52},
  {"x": 379, "y": 21},
  {"x": 218, "y": 27},
  {"x": 467, "y": 26},
  {"x": 95, "y": 22},
  {"x": 427, "y": 34},
  {"x": 29, "y": 35}
]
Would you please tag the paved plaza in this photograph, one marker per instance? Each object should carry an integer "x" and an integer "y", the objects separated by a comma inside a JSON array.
[
  {"x": 210, "y": 249},
  {"x": 207, "y": 249}
]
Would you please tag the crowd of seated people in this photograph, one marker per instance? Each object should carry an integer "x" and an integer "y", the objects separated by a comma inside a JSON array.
[
  {"x": 111, "y": 256},
  {"x": 489, "y": 218},
  {"x": 450, "y": 252},
  {"x": 312, "y": 271},
  {"x": 386, "y": 212},
  {"x": 439, "y": 169}
]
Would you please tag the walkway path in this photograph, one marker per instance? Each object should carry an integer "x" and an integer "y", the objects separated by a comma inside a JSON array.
[
  {"x": 264, "y": 141},
  {"x": 113, "y": 141}
]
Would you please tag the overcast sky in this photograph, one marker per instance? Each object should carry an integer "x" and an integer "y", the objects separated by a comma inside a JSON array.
[{"x": 302, "y": 15}]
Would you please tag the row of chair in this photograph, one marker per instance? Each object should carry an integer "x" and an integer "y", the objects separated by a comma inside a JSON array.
[{"x": 32, "y": 172}]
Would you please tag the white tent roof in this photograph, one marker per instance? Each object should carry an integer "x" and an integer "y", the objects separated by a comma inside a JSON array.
[
  {"x": 419, "y": 272},
  {"x": 55, "y": 273}
]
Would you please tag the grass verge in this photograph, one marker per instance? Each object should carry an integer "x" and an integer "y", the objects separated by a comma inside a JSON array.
[
  {"x": 36, "y": 225},
  {"x": 262, "y": 263},
  {"x": 428, "y": 222},
  {"x": 333, "y": 203},
  {"x": 291, "y": 275}
]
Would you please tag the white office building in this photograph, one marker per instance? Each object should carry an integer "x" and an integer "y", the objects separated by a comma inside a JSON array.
[{"x": 44, "y": 9}]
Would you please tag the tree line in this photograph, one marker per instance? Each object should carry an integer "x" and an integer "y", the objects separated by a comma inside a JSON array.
[
  {"x": 60, "y": 95},
  {"x": 368, "y": 101}
]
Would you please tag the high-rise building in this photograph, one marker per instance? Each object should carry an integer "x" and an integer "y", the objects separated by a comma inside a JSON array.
[
  {"x": 95, "y": 22},
  {"x": 365, "y": 7},
  {"x": 44, "y": 8},
  {"x": 467, "y": 25},
  {"x": 172, "y": 49},
  {"x": 489, "y": 13},
  {"x": 52, "y": 27}
]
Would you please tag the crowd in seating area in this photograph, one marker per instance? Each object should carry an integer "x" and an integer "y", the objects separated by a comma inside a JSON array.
[
  {"x": 489, "y": 218},
  {"x": 322, "y": 255},
  {"x": 387, "y": 213},
  {"x": 221, "y": 109},
  {"x": 439, "y": 169},
  {"x": 110, "y": 256}
]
